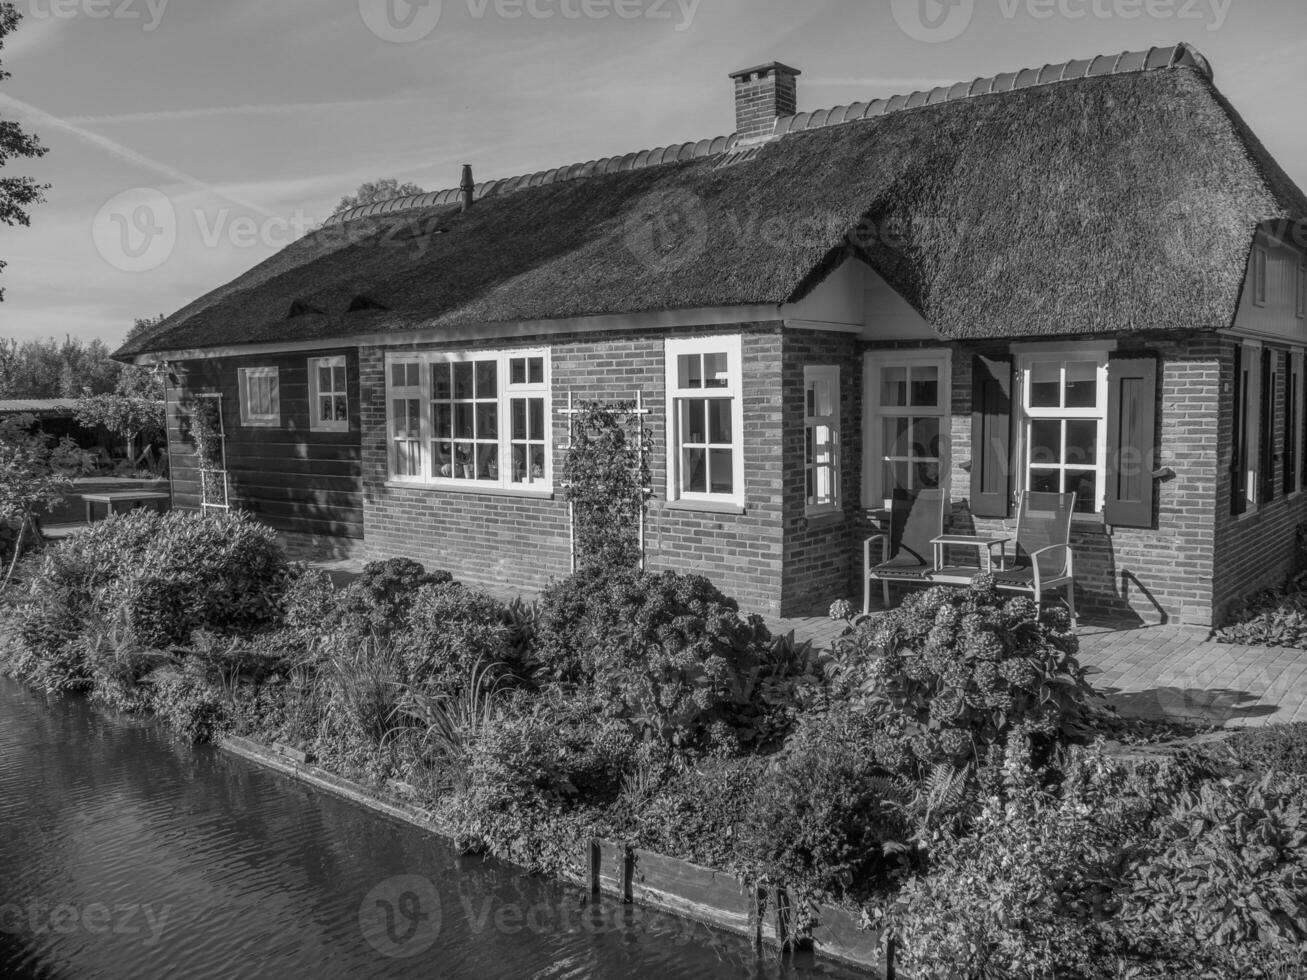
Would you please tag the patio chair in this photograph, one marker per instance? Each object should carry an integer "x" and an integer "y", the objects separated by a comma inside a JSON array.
[
  {"x": 1043, "y": 558},
  {"x": 906, "y": 552}
]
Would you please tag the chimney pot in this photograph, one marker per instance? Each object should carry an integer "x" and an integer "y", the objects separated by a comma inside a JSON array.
[
  {"x": 467, "y": 187},
  {"x": 762, "y": 95}
]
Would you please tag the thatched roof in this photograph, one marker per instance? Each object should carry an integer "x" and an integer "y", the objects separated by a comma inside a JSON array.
[{"x": 1081, "y": 201}]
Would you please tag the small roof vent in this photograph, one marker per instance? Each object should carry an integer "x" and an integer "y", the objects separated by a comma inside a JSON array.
[
  {"x": 301, "y": 308},
  {"x": 360, "y": 303}
]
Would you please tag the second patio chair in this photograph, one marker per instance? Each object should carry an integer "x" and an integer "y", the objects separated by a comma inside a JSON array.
[
  {"x": 906, "y": 552},
  {"x": 1043, "y": 550}
]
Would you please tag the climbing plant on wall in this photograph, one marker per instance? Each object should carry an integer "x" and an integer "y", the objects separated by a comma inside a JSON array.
[
  {"x": 607, "y": 477},
  {"x": 206, "y": 434}
]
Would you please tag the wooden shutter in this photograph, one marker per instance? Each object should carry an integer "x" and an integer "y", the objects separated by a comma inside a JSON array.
[
  {"x": 1131, "y": 450},
  {"x": 1266, "y": 433},
  {"x": 1289, "y": 454},
  {"x": 991, "y": 436},
  {"x": 1238, "y": 477}
]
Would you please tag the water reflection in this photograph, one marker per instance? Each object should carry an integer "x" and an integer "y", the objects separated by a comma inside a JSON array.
[{"x": 126, "y": 854}]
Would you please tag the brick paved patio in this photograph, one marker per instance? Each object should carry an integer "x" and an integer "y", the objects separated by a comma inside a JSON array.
[{"x": 1151, "y": 671}]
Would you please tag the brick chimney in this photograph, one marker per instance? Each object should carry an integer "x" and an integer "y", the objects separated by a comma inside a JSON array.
[{"x": 761, "y": 95}]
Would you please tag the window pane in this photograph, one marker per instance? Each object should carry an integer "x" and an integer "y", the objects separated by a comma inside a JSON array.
[
  {"x": 825, "y": 480},
  {"x": 537, "y": 461},
  {"x": 1045, "y": 384},
  {"x": 694, "y": 420},
  {"x": 689, "y": 370},
  {"x": 723, "y": 470},
  {"x": 1045, "y": 441},
  {"x": 519, "y": 418},
  {"x": 714, "y": 371},
  {"x": 719, "y": 421},
  {"x": 925, "y": 437},
  {"x": 338, "y": 378},
  {"x": 442, "y": 456},
  {"x": 894, "y": 386},
  {"x": 925, "y": 474},
  {"x": 517, "y": 371},
  {"x": 324, "y": 409},
  {"x": 896, "y": 436},
  {"x": 440, "y": 388},
  {"x": 808, "y": 446},
  {"x": 537, "y": 408},
  {"x": 810, "y": 402},
  {"x": 487, "y": 466},
  {"x": 537, "y": 370},
  {"x": 464, "y": 460},
  {"x": 1081, "y": 384},
  {"x": 487, "y": 373},
  {"x": 519, "y": 464},
  {"x": 324, "y": 379},
  {"x": 342, "y": 408},
  {"x": 1046, "y": 481},
  {"x": 463, "y": 379},
  {"x": 823, "y": 401},
  {"x": 1084, "y": 484},
  {"x": 463, "y": 421},
  {"x": 444, "y": 419},
  {"x": 811, "y": 481},
  {"x": 1081, "y": 442},
  {"x": 925, "y": 385},
  {"x": 694, "y": 474},
  {"x": 487, "y": 421},
  {"x": 896, "y": 478}
]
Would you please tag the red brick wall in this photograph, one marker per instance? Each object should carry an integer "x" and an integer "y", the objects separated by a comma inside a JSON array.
[
  {"x": 506, "y": 539},
  {"x": 822, "y": 553},
  {"x": 1255, "y": 549},
  {"x": 1150, "y": 575}
]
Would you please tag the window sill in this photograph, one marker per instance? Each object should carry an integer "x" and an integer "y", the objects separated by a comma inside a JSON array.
[
  {"x": 706, "y": 506},
  {"x": 821, "y": 518},
  {"x": 329, "y": 428},
  {"x": 261, "y": 423},
  {"x": 470, "y": 489}
]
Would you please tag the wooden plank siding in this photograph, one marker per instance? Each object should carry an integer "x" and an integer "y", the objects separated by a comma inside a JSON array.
[{"x": 290, "y": 477}]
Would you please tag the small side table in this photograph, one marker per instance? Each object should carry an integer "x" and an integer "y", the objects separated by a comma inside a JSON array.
[
  {"x": 129, "y": 497},
  {"x": 983, "y": 543}
]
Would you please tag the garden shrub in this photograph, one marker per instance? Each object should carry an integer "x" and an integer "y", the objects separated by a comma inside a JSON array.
[
  {"x": 308, "y": 604},
  {"x": 961, "y": 668},
  {"x": 183, "y": 696},
  {"x": 1275, "y": 748},
  {"x": 535, "y": 779},
  {"x": 693, "y": 809},
  {"x": 826, "y": 819},
  {"x": 450, "y": 631},
  {"x": 666, "y": 652},
  {"x": 378, "y": 601},
  {"x": 363, "y": 685},
  {"x": 224, "y": 574}
]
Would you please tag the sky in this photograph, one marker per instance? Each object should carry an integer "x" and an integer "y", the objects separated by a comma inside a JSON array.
[{"x": 191, "y": 139}]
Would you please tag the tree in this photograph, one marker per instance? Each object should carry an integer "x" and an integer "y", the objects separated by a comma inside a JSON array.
[
  {"x": 378, "y": 190},
  {"x": 134, "y": 411},
  {"x": 35, "y": 473},
  {"x": 53, "y": 369},
  {"x": 16, "y": 193}
]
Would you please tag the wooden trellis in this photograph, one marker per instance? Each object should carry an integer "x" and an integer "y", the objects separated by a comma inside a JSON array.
[
  {"x": 639, "y": 411},
  {"x": 212, "y": 477}
]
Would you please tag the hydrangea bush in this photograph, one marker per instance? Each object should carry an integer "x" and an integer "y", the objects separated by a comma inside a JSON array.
[{"x": 961, "y": 668}]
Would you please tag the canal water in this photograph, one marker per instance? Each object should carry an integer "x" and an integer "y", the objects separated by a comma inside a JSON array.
[{"x": 124, "y": 853}]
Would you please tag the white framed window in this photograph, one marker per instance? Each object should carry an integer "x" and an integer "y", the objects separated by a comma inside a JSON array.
[
  {"x": 907, "y": 412},
  {"x": 1259, "y": 276},
  {"x": 1062, "y": 436},
  {"x": 1246, "y": 469},
  {"x": 705, "y": 412},
  {"x": 328, "y": 395},
  {"x": 821, "y": 439},
  {"x": 470, "y": 419},
  {"x": 260, "y": 395}
]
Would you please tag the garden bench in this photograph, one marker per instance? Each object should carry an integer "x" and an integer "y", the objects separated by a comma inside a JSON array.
[{"x": 133, "y": 498}]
